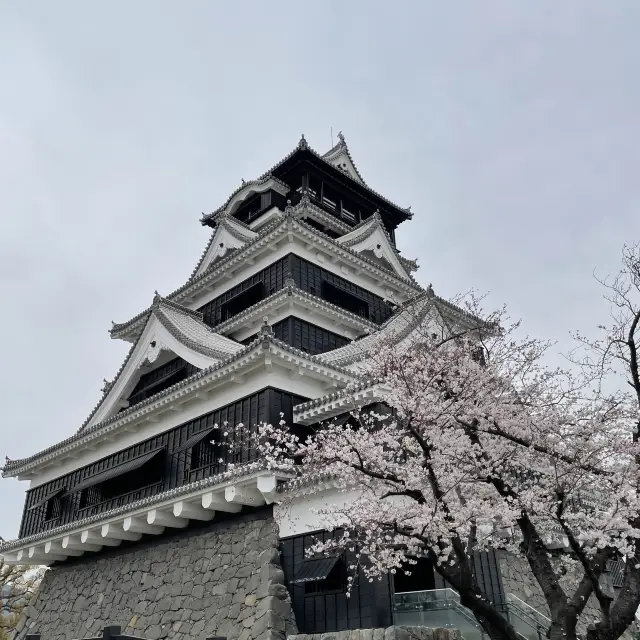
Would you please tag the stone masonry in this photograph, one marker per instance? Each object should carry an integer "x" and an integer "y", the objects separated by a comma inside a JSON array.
[
  {"x": 390, "y": 633},
  {"x": 223, "y": 578}
]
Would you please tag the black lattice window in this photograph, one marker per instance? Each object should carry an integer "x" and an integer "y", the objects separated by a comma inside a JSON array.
[
  {"x": 205, "y": 453},
  {"x": 53, "y": 508}
]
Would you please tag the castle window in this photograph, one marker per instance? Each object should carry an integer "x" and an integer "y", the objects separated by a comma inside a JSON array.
[
  {"x": 344, "y": 299},
  {"x": 121, "y": 479},
  {"x": 203, "y": 450},
  {"x": 52, "y": 503},
  {"x": 242, "y": 301}
]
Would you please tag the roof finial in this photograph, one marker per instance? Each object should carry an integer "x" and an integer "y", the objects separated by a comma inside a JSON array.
[
  {"x": 289, "y": 282},
  {"x": 265, "y": 329},
  {"x": 156, "y": 297},
  {"x": 341, "y": 138},
  {"x": 303, "y": 144},
  {"x": 430, "y": 292},
  {"x": 288, "y": 210},
  {"x": 243, "y": 181}
]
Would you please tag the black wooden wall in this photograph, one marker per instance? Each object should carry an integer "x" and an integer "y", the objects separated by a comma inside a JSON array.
[
  {"x": 369, "y": 604},
  {"x": 266, "y": 405},
  {"x": 308, "y": 277},
  {"x": 304, "y": 336}
]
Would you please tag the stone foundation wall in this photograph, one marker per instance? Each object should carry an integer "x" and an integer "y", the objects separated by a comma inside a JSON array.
[
  {"x": 221, "y": 578},
  {"x": 390, "y": 633}
]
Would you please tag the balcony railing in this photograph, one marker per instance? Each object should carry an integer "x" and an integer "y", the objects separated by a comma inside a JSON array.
[
  {"x": 119, "y": 501},
  {"x": 442, "y": 608}
]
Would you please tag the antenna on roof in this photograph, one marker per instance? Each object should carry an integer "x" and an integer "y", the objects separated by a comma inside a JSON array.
[{"x": 331, "y": 137}]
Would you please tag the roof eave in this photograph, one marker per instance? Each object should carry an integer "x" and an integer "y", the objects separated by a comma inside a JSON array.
[{"x": 179, "y": 391}]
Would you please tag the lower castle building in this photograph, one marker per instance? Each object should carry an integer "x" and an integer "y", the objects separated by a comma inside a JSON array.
[{"x": 147, "y": 517}]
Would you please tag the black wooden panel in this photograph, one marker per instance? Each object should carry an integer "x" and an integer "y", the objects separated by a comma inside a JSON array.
[
  {"x": 177, "y": 467},
  {"x": 304, "y": 336},
  {"x": 272, "y": 279},
  {"x": 160, "y": 379},
  {"x": 311, "y": 278},
  {"x": 369, "y": 604},
  {"x": 488, "y": 577},
  {"x": 308, "y": 277}
]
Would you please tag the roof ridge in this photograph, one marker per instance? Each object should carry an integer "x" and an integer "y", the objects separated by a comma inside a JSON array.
[
  {"x": 291, "y": 291},
  {"x": 158, "y": 301},
  {"x": 229, "y": 226},
  {"x": 339, "y": 147}
]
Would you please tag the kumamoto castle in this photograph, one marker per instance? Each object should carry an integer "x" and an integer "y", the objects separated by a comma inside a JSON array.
[{"x": 148, "y": 522}]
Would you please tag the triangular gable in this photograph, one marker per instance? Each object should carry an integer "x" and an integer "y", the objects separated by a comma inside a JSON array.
[
  {"x": 371, "y": 238},
  {"x": 169, "y": 331},
  {"x": 228, "y": 235},
  {"x": 339, "y": 157}
]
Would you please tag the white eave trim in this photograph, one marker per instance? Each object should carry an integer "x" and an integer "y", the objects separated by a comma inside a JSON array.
[
  {"x": 337, "y": 403},
  {"x": 228, "y": 492},
  {"x": 266, "y": 353},
  {"x": 294, "y": 295}
]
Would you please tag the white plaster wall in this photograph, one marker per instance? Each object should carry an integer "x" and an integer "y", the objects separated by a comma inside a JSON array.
[{"x": 299, "y": 516}]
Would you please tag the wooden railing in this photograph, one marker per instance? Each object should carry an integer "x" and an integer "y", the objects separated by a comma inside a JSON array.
[{"x": 118, "y": 501}]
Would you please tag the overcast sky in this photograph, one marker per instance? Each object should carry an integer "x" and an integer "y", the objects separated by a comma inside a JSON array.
[{"x": 511, "y": 128}]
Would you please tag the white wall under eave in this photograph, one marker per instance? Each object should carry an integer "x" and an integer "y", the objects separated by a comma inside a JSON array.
[
  {"x": 277, "y": 377},
  {"x": 300, "y": 517}
]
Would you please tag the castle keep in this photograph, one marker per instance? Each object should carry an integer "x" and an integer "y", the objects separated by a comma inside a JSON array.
[{"x": 146, "y": 515}]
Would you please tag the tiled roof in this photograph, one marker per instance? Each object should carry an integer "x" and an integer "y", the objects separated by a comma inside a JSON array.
[
  {"x": 293, "y": 214},
  {"x": 186, "y": 326},
  {"x": 294, "y": 291},
  {"x": 397, "y": 327},
  {"x": 410, "y": 315},
  {"x": 352, "y": 389},
  {"x": 255, "y": 345},
  {"x": 192, "y": 332},
  {"x": 367, "y": 228},
  {"x": 304, "y": 145}
]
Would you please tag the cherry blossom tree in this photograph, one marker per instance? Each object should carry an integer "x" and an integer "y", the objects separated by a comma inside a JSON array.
[
  {"x": 17, "y": 585},
  {"x": 489, "y": 447}
]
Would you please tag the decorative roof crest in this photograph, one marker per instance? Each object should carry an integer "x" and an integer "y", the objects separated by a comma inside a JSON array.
[{"x": 303, "y": 144}]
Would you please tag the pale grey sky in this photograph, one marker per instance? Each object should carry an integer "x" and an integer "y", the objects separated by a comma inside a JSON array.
[{"x": 511, "y": 128}]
